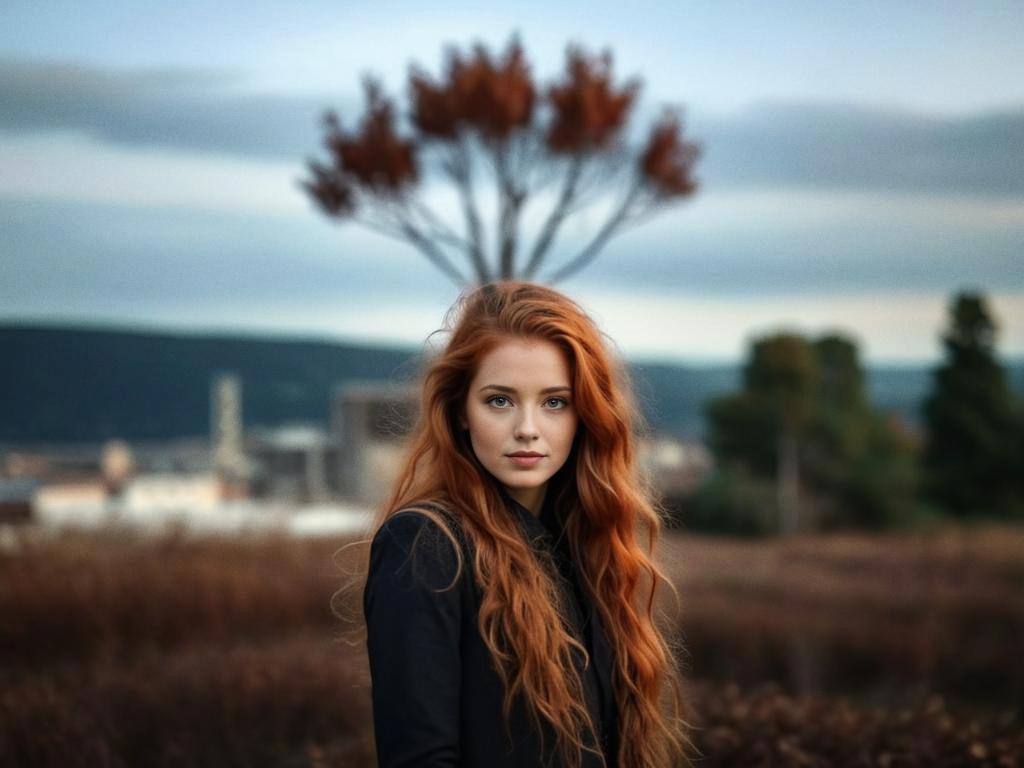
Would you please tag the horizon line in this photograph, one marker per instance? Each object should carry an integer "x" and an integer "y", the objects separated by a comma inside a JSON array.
[{"x": 313, "y": 336}]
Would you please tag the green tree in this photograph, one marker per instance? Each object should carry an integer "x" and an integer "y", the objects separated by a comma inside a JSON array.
[
  {"x": 784, "y": 373},
  {"x": 763, "y": 424},
  {"x": 803, "y": 418},
  {"x": 972, "y": 457},
  {"x": 488, "y": 126},
  {"x": 862, "y": 461}
]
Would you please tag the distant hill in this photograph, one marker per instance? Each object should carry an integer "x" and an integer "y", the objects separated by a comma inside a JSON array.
[
  {"x": 63, "y": 384},
  {"x": 68, "y": 384}
]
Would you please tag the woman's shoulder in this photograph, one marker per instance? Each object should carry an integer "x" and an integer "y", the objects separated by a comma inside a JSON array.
[
  {"x": 414, "y": 523},
  {"x": 420, "y": 540}
]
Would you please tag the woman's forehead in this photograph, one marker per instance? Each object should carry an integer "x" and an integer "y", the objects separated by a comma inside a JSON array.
[{"x": 529, "y": 363}]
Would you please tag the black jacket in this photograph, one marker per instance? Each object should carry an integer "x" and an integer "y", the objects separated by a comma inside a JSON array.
[{"x": 437, "y": 699}]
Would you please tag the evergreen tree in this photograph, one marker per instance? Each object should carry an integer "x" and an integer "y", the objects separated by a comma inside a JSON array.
[
  {"x": 803, "y": 419},
  {"x": 784, "y": 375},
  {"x": 973, "y": 425}
]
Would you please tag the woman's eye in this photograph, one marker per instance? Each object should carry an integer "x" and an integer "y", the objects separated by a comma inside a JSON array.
[{"x": 554, "y": 403}]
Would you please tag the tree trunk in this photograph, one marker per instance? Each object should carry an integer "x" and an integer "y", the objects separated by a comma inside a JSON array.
[
  {"x": 804, "y": 665},
  {"x": 788, "y": 480}
]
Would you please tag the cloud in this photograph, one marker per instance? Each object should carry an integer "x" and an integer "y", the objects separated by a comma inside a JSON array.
[
  {"x": 892, "y": 326},
  {"x": 92, "y": 258},
  {"x": 189, "y": 268},
  {"x": 820, "y": 145},
  {"x": 842, "y": 146},
  {"x": 217, "y": 269},
  {"x": 798, "y": 241},
  {"x": 197, "y": 110},
  {"x": 71, "y": 167}
]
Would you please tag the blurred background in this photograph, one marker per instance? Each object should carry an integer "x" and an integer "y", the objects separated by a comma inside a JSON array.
[{"x": 228, "y": 232}]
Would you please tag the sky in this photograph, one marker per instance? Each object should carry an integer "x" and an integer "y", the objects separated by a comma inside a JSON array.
[{"x": 861, "y": 163}]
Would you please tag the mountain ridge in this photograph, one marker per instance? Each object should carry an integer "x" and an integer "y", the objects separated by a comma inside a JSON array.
[{"x": 92, "y": 383}]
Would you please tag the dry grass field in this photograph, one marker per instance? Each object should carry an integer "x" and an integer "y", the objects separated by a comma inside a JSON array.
[{"x": 845, "y": 650}]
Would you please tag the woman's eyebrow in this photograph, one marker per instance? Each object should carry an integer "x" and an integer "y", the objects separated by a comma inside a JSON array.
[{"x": 512, "y": 390}]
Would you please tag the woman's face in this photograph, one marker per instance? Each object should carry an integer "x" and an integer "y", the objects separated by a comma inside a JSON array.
[{"x": 520, "y": 402}]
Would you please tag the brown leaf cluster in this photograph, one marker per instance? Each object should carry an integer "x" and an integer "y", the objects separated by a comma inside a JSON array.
[
  {"x": 668, "y": 160},
  {"x": 373, "y": 157},
  {"x": 589, "y": 112},
  {"x": 374, "y": 154},
  {"x": 330, "y": 191},
  {"x": 494, "y": 97}
]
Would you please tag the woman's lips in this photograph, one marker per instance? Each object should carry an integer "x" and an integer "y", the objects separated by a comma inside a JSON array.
[{"x": 525, "y": 461}]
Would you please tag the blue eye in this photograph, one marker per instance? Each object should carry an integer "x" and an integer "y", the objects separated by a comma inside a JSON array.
[{"x": 560, "y": 402}]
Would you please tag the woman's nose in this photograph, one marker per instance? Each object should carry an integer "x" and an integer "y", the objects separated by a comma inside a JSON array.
[{"x": 526, "y": 426}]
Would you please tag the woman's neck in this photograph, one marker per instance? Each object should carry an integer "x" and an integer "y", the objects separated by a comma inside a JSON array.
[{"x": 531, "y": 498}]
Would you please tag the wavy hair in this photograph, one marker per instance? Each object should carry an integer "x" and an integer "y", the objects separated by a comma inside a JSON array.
[{"x": 612, "y": 524}]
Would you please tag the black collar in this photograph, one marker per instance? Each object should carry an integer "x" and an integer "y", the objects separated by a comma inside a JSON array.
[{"x": 548, "y": 525}]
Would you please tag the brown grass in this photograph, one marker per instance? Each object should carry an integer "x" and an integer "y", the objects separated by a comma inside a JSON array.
[
  {"x": 92, "y": 598},
  {"x": 135, "y": 652},
  {"x": 295, "y": 702},
  {"x": 862, "y": 614}
]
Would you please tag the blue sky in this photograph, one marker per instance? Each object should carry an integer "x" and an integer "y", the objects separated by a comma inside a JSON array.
[{"x": 862, "y": 162}]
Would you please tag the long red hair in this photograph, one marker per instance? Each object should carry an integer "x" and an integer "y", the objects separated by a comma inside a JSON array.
[{"x": 612, "y": 524}]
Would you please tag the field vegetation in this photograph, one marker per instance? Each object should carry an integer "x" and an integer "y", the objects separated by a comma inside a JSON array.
[{"x": 841, "y": 650}]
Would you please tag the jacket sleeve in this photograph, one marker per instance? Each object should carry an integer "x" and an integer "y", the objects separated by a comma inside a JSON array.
[{"x": 413, "y": 643}]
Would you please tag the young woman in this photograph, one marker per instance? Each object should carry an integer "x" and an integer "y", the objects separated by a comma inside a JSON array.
[{"x": 509, "y": 596}]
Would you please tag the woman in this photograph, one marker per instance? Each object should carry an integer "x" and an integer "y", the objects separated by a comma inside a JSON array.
[{"x": 508, "y": 600}]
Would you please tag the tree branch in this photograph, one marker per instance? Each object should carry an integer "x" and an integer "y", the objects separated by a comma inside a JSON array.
[
  {"x": 432, "y": 252},
  {"x": 598, "y": 178},
  {"x": 594, "y": 246},
  {"x": 510, "y": 200},
  {"x": 459, "y": 168},
  {"x": 439, "y": 229},
  {"x": 556, "y": 217},
  {"x": 498, "y": 160},
  {"x": 403, "y": 229}
]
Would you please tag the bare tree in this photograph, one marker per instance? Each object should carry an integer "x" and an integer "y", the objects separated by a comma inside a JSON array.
[{"x": 486, "y": 121}]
